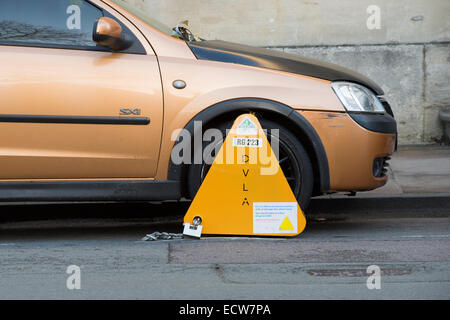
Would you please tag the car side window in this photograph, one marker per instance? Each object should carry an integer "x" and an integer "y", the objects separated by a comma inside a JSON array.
[{"x": 48, "y": 22}]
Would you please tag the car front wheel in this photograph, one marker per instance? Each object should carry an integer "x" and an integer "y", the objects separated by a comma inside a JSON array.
[{"x": 293, "y": 159}]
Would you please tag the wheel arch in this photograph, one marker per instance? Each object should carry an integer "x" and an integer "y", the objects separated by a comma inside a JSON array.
[{"x": 275, "y": 111}]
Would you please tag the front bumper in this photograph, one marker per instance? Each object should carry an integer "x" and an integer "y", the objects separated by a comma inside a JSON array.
[{"x": 352, "y": 144}]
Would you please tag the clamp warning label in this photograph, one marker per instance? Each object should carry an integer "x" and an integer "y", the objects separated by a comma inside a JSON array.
[{"x": 274, "y": 217}]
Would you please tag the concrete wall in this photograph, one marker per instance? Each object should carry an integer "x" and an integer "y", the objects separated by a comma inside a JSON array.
[{"x": 408, "y": 55}]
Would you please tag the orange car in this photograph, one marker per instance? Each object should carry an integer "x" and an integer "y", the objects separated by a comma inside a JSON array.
[{"x": 93, "y": 93}]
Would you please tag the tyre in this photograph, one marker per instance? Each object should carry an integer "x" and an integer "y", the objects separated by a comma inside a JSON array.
[{"x": 293, "y": 158}]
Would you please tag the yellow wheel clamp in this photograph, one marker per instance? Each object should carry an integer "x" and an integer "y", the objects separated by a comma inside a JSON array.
[{"x": 245, "y": 191}]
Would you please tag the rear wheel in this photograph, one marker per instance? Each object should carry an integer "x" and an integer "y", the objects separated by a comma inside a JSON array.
[{"x": 293, "y": 159}]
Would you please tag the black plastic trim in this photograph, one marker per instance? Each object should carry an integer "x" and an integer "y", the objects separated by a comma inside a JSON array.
[
  {"x": 278, "y": 110},
  {"x": 123, "y": 190},
  {"x": 22, "y": 118},
  {"x": 223, "y": 51},
  {"x": 53, "y": 46},
  {"x": 388, "y": 109},
  {"x": 383, "y": 123},
  {"x": 386, "y": 106}
]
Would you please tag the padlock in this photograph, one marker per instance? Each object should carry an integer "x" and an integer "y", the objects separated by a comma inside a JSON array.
[{"x": 194, "y": 230}]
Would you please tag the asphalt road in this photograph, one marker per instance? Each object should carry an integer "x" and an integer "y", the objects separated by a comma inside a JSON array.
[{"x": 407, "y": 238}]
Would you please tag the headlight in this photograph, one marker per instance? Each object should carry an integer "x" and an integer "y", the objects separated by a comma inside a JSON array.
[{"x": 357, "y": 98}]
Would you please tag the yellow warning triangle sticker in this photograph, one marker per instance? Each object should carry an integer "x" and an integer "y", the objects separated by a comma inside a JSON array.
[
  {"x": 286, "y": 225},
  {"x": 245, "y": 191}
]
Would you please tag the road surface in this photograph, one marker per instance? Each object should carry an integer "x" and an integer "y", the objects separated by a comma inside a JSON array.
[{"x": 407, "y": 238}]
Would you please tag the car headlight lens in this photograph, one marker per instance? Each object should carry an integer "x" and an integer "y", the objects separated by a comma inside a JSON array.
[{"x": 357, "y": 98}]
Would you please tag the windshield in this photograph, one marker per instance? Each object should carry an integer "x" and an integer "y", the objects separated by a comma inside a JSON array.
[{"x": 141, "y": 14}]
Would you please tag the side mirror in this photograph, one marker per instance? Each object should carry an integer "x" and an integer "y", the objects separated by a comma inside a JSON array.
[{"x": 108, "y": 33}]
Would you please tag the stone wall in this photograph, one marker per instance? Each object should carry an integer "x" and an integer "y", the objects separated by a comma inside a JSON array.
[{"x": 403, "y": 45}]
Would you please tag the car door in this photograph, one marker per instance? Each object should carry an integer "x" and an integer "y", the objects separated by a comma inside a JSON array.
[{"x": 70, "y": 109}]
